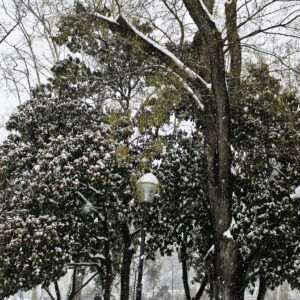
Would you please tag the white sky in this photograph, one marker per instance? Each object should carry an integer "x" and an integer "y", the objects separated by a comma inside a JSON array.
[{"x": 8, "y": 103}]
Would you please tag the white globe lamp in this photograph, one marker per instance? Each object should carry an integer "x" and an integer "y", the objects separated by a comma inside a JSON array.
[{"x": 147, "y": 186}]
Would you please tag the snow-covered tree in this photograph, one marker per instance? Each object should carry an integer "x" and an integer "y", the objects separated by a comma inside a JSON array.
[
  {"x": 201, "y": 70},
  {"x": 266, "y": 167},
  {"x": 182, "y": 221},
  {"x": 265, "y": 213},
  {"x": 69, "y": 168},
  {"x": 91, "y": 156}
]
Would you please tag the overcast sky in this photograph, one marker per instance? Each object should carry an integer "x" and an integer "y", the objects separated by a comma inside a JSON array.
[{"x": 8, "y": 104}]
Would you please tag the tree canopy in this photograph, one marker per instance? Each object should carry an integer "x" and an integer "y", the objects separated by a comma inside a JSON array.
[{"x": 68, "y": 169}]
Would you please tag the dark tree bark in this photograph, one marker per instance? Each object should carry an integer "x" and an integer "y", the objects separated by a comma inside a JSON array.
[
  {"x": 235, "y": 51},
  {"x": 262, "y": 289},
  {"x": 139, "y": 285},
  {"x": 108, "y": 262},
  {"x": 49, "y": 293},
  {"x": 108, "y": 274},
  {"x": 57, "y": 291},
  {"x": 71, "y": 293},
  {"x": 217, "y": 150},
  {"x": 126, "y": 263},
  {"x": 216, "y": 120},
  {"x": 185, "y": 277},
  {"x": 201, "y": 288}
]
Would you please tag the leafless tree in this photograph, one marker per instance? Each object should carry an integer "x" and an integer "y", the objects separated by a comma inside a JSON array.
[{"x": 27, "y": 47}]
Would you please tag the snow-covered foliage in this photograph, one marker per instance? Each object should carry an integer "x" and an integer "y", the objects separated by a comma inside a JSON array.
[
  {"x": 265, "y": 174},
  {"x": 67, "y": 177},
  {"x": 182, "y": 220},
  {"x": 266, "y": 166},
  {"x": 68, "y": 170}
]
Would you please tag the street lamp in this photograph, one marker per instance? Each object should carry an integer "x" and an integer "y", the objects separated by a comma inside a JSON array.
[{"x": 147, "y": 186}]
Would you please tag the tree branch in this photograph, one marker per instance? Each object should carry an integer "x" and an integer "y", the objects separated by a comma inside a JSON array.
[
  {"x": 49, "y": 293},
  {"x": 202, "y": 18},
  {"x": 251, "y": 261},
  {"x": 280, "y": 59},
  {"x": 262, "y": 289},
  {"x": 265, "y": 30},
  {"x": 122, "y": 27},
  {"x": 9, "y": 32},
  {"x": 83, "y": 264},
  {"x": 57, "y": 290},
  {"x": 201, "y": 288},
  {"x": 86, "y": 283}
]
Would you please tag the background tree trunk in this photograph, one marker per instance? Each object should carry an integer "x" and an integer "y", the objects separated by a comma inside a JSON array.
[
  {"x": 262, "y": 290},
  {"x": 139, "y": 285},
  {"x": 126, "y": 263},
  {"x": 185, "y": 275},
  {"x": 79, "y": 283}
]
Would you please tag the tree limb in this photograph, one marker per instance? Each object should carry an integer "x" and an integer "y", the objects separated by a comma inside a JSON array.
[
  {"x": 280, "y": 59},
  {"x": 49, "y": 293},
  {"x": 86, "y": 283},
  {"x": 9, "y": 32},
  {"x": 57, "y": 290},
  {"x": 122, "y": 27},
  {"x": 265, "y": 30},
  {"x": 201, "y": 288},
  {"x": 251, "y": 261}
]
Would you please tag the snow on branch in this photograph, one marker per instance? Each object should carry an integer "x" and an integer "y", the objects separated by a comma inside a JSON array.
[
  {"x": 201, "y": 15},
  {"x": 169, "y": 54},
  {"x": 193, "y": 95},
  {"x": 83, "y": 264},
  {"x": 227, "y": 234},
  {"x": 123, "y": 27},
  {"x": 84, "y": 199},
  {"x": 209, "y": 15},
  {"x": 209, "y": 252},
  {"x": 94, "y": 190},
  {"x": 190, "y": 91}
]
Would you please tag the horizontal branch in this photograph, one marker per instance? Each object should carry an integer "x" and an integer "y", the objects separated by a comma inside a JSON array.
[
  {"x": 280, "y": 59},
  {"x": 82, "y": 264},
  {"x": 265, "y": 30}
]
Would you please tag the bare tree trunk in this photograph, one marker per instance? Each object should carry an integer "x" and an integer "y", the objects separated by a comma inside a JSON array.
[
  {"x": 217, "y": 123},
  {"x": 262, "y": 289},
  {"x": 235, "y": 51},
  {"x": 185, "y": 277},
  {"x": 126, "y": 263},
  {"x": 139, "y": 285},
  {"x": 57, "y": 291},
  {"x": 201, "y": 288},
  {"x": 108, "y": 273},
  {"x": 79, "y": 283}
]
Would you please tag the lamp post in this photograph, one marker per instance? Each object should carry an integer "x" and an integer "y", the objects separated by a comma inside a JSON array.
[{"x": 146, "y": 187}]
